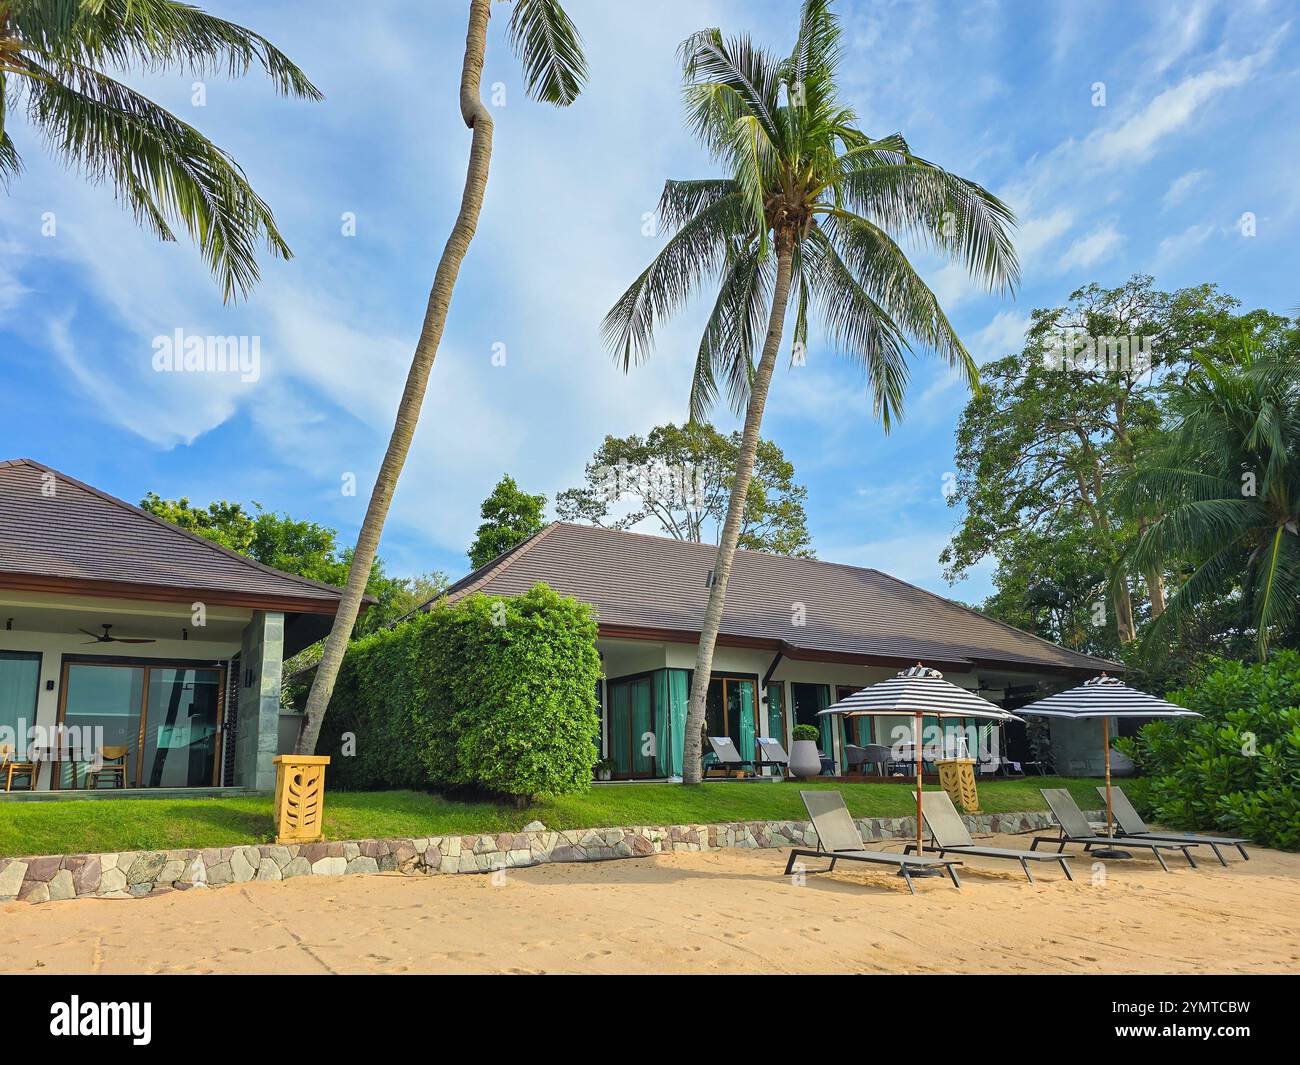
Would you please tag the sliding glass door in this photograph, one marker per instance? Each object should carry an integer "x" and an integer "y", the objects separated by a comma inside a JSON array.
[
  {"x": 165, "y": 717},
  {"x": 729, "y": 711}
]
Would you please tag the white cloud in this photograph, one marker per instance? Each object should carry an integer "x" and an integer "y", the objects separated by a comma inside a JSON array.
[
  {"x": 1182, "y": 185},
  {"x": 1175, "y": 247},
  {"x": 1087, "y": 251},
  {"x": 1036, "y": 234}
]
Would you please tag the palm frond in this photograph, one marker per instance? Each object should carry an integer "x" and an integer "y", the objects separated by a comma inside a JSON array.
[
  {"x": 732, "y": 333},
  {"x": 861, "y": 327},
  {"x": 163, "y": 168},
  {"x": 155, "y": 34},
  {"x": 549, "y": 45},
  {"x": 698, "y": 249},
  {"x": 882, "y": 269}
]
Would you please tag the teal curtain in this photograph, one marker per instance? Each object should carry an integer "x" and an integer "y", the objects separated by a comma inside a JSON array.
[
  {"x": 679, "y": 684},
  {"x": 775, "y": 716},
  {"x": 828, "y": 724},
  {"x": 746, "y": 744},
  {"x": 20, "y": 678},
  {"x": 642, "y": 726},
  {"x": 620, "y": 721}
]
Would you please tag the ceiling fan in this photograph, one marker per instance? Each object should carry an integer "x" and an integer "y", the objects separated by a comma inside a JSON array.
[{"x": 106, "y": 638}]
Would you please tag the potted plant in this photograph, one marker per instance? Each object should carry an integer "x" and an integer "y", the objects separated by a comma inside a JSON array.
[
  {"x": 604, "y": 769},
  {"x": 805, "y": 754}
]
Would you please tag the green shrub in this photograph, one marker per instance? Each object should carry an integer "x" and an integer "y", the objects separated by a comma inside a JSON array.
[
  {"x": 1237, "y": 769},
  {"x": 807, "y": 732},
  {"x": 497, "y": 695}
]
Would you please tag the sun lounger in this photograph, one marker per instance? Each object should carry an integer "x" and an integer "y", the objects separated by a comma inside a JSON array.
[
  {"x": 838, "y": 840},
  {"x": 949, "y": 833},
  {"x": 1133, "y": 825},
  {"x": 1075, "y": 829},
  {"x": 727, "y": 756},
  {"x": 770, "y": 752}
]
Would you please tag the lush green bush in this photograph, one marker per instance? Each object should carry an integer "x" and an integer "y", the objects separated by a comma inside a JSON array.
[
  {"x": 497, "y": 695},
  {"x": 806, "y": 732},
  {"x": 1237, "y": 769}
]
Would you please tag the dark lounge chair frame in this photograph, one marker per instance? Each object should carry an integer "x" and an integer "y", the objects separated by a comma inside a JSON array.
[
  {"x": 1064, "y": 809},
  {"x": 829, "y": 808},
  {"x": 1125, "y": 811}
]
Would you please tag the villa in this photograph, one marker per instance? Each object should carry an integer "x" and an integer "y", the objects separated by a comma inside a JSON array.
[
  {"x": 112, "y": 618},
  {"x": 796, "y": 636}
]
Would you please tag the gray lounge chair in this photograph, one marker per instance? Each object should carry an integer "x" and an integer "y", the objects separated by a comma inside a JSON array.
[
  {"x": 770, "y": 752},
  {"x": 838, "y": 840},
  {"x": 949, "y": 833},
  {"x": 1076, "y": 829},
  {"x": 1133, "y": 825},
  {"x": 727, "y": 756}
]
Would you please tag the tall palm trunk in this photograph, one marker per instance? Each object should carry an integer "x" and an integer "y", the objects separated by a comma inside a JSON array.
[
  {"x": 735, "y": 513},
  {"x": 478, "y": 119}
]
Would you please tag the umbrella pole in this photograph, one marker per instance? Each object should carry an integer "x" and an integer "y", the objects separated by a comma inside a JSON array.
[
  {"x": 919, "y": 785},
  {"x": 1109, "y": 852}
]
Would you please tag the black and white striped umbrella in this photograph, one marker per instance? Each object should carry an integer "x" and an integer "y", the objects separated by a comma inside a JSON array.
[
  {"x": 919, "y": 692},
  {"x": 1105, "y": 697}
]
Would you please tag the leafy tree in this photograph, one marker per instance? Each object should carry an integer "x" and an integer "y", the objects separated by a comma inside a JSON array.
[
  {"x": 305, "y": 548},
  {"x": 808, "y": 211},
  {"x": 554, "y": 71},
  {"x": 53, "y": 57},
  {"x": 681, "y": 477},
  {"x": 1044, "y": 445},
  {"x": 1225, "y": 492},
  {"x": 510, "y": 517}
]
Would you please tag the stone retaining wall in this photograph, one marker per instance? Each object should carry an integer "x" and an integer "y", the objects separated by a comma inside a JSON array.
[{"x": 135, "y": 874}]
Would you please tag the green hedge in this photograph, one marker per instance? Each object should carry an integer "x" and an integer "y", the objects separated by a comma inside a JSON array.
[
  {"x": 1237, "y": 769},
  {"x": 497, "y": 695}
]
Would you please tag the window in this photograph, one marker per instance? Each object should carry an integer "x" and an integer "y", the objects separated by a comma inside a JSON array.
[{"x": 20, "y": 682}]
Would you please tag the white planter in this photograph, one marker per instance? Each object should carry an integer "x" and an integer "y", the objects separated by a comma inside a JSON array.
[{"x": 805, "y": 759}]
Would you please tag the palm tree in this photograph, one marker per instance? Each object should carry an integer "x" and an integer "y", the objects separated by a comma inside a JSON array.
[
  {"x": 52, "y": 56},
  {"x": 1227, "y": 491},
  {"x": 808, "y": 211},
  {"x": 554, "y": 71}
]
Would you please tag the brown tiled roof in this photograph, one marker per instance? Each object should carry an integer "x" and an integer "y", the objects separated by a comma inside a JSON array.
[
  {"x": 658, "y": 585},
  {"x": 87, "y": 540}
]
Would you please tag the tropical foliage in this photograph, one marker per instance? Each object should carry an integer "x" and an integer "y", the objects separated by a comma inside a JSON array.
[
  {"x": 304, "y": 548},
  {"x": 510, "y": 516},
  {"x": 53, "y": 58},
  {"x": 494, "y": 695},
  {"x": 1237, "y": 769},
  {"x": 809, "y": 210},
  {"x": 681, "y": 477},
  {"x": 1223, "y": 493}
]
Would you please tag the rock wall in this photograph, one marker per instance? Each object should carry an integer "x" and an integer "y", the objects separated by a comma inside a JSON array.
[{"x": 135, "y": 874}]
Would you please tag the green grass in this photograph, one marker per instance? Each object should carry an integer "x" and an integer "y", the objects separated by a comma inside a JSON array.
[{"x": 73, "y": 827}]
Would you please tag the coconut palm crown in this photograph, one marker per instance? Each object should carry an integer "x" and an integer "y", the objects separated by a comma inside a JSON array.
[
  {"x": 809, "y": 209},
  {"x": 1227, "y": 491},
  {"x": 804, "y": 182}
]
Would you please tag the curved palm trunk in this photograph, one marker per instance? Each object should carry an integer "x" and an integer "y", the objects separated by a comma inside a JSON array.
[
  {"x": 478, "y": 119},
  {"x": 735, "y": 515}
]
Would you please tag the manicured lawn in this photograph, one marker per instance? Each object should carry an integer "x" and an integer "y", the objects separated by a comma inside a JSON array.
[{"x": 30, "y": 828}]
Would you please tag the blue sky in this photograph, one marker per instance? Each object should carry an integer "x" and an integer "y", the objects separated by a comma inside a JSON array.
[{"x": 1197, "y": 128}]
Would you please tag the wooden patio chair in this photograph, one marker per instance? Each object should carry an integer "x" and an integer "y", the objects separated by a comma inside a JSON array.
[
  {"x": 112, "y": 765},
  {"x": 11, "y": 767}
]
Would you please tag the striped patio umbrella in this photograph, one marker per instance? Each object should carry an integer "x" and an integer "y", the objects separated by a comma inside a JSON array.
[
  {"x": 1105, "y": 697},
  {"x": 918, "y": 692}
]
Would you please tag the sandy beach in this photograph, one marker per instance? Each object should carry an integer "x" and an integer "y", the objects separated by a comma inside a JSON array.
[{"x": 720, "y": 912}]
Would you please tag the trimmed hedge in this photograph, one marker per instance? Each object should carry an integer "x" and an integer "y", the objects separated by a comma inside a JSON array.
[
  {"x": 1237, "y": 769},
  {"x": 495, "y": 694}
]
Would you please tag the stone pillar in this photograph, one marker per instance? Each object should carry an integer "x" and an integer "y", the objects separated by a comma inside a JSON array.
[{"x": 261, "y": 658}]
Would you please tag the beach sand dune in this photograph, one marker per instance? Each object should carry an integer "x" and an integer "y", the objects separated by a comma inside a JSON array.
[{"x": 719, "y": 912}]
